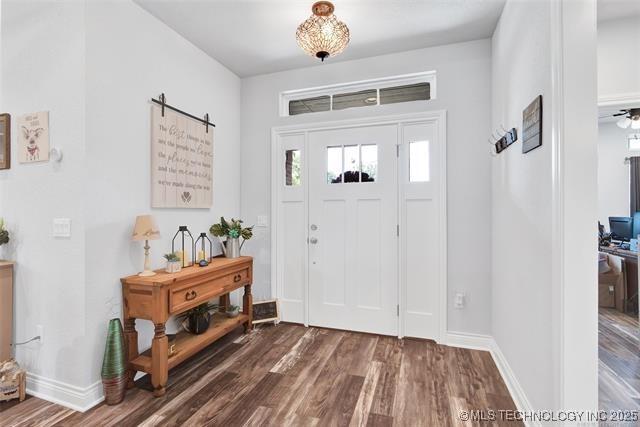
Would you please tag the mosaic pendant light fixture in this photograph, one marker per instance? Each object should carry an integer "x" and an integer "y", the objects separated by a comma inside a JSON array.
[{"x": 322, "y": 35}]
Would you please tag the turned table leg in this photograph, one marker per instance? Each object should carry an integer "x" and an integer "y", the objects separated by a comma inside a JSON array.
[
  {"x": 224, "y": 303},
  {"x": 131, "y": 341},
  {"x": 159, "y": 360},
  {"x": 247, "y": 307}
]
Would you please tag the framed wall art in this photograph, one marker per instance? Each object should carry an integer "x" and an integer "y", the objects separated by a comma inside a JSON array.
[
  {"x": 5, "y": 141},
  {"x": 532, "y": 125},
  {"x": 33, "y": 137}
]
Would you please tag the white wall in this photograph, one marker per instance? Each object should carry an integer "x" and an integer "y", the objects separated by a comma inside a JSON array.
[
  {"x": 544, "y": 308},
  {"x": 125, "y": 68},
  {"x": 95, "y": 66},
  {"x": 618, "y": 63},
  {"x": 43, "y": 69},
  {"x": 613, "y": 173},
  {"x": 521, "y": 255},
  {"x": 463, "y": 73}
]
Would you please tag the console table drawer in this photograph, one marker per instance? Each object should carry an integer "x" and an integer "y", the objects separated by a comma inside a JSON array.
[{"x": 189, "y": 296}]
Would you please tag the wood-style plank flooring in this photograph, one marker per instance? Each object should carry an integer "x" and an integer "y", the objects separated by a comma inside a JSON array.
[
  {"x": 292, "y": 375},
  {"x": 619, "y": 361}
]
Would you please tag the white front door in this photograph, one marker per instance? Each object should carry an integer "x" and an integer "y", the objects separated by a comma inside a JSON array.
[{"x": 353, "y": 218}]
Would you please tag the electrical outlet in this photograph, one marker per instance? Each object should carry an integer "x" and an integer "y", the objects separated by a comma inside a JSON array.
[
  {"x": 459, "y": 300},
  {"x": 40, "y": 333}
]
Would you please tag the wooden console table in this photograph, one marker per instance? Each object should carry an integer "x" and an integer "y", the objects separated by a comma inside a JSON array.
[
  {"x": 6, "y": 309},
  {"x": 158, "y": 297}
]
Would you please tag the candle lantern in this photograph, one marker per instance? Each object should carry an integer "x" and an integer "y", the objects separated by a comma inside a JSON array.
[
  {"x": 184, "y": 239},
  {"x": 201, "y": 245}
]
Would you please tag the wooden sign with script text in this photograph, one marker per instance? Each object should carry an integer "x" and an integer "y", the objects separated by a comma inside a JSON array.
[{"x": 181, "y": 161}]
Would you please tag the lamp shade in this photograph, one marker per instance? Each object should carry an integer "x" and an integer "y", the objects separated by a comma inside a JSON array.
[{"x": 145, "y": 228}]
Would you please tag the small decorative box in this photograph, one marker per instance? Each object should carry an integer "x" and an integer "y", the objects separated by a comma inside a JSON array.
[{"x": 12, "y": 381}]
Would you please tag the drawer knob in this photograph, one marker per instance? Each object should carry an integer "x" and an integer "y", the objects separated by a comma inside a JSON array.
[
  {"x": 237, "y": 277},
  {"x": 191, "y": 295}
]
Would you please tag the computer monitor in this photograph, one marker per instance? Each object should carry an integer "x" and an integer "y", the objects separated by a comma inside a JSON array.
[{"x": 621, "y": 228}]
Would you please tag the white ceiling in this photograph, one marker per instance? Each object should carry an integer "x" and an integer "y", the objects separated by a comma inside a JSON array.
[
  {"x": 616, "y": 9},
  {"x": 253, "y": 37}
]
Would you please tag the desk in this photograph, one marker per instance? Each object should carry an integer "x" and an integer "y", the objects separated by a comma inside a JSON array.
[
  {"x": 158, "y": 297},
  {"x": 631, "y": 275}
]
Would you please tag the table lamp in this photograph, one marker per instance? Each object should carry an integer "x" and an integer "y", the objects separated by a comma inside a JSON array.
[{"x": 146, "y": 229}]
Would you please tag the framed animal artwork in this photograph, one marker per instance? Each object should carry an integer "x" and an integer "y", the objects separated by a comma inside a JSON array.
[
  {"x": 33, "y": 137},
  {"x": 5, "y": 141}
]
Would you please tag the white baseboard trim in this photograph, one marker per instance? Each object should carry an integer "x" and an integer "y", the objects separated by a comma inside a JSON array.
[
  {"x": 487, "y": 343},
  {"x": 77, "y": 398},
  {"x": 515, "y": 389},
  {"x": 472, "y": 341}
]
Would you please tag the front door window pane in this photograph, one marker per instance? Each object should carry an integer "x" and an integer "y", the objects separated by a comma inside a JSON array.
[
  {"x": 351, "y": 164},
  {"x": 334, "y": 165},
  {"x": 369, "y": 159}
]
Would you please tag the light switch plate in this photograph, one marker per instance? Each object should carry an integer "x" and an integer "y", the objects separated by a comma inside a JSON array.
[
  {"x": 61, "y": 227},
  {"x": 459, "y": 300},
  {"x": 263, "y": 221}
]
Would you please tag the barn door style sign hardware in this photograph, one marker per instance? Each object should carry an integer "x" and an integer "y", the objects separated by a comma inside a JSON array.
[{"x": 162, "y": 101}]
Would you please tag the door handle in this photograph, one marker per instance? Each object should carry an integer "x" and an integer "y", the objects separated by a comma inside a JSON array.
[{"x": 313, "y": 240}]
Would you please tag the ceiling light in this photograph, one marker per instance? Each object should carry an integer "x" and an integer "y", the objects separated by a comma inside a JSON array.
[
  {"x": 631, "y": 118},
  {"x": 322, "y": 35},
  {"x": 624, "y": 122}
]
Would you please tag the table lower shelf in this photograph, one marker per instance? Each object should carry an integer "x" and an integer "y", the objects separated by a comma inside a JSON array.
[{"x": 189, "y": 344}]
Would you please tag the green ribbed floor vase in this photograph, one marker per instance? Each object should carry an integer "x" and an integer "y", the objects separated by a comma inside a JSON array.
[{"x": 114, "y": 379}]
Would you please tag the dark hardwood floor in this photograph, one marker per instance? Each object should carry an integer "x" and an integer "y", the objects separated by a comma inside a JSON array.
[
  {"x": 619, "y": 356},
  {"x": 291, "y": 375}
]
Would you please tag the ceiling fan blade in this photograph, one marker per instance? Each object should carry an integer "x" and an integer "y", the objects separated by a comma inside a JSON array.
[{"x": 620, "y": 114}]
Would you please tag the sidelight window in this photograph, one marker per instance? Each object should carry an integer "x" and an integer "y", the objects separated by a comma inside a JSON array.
[
  {"x": 419, "y": 161},
  {"x": 292, "y": 168}
]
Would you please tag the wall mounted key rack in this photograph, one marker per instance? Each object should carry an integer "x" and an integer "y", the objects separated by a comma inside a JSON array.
[{"x": 506, "y": 140}]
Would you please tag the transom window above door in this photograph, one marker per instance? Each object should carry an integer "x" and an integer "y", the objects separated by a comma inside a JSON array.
[
  {"x": 369, "y": 93},
  {"x": 352, "y": 164}
]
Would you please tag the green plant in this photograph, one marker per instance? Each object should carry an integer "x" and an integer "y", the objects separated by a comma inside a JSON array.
[
  {"x": 4, "y": 234},
  {"x": 171, "y": 257},
  {"x": 233, "y": 308},
  {"x": 200, "y": 310},
  {"x": 231, "y": 229}
]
